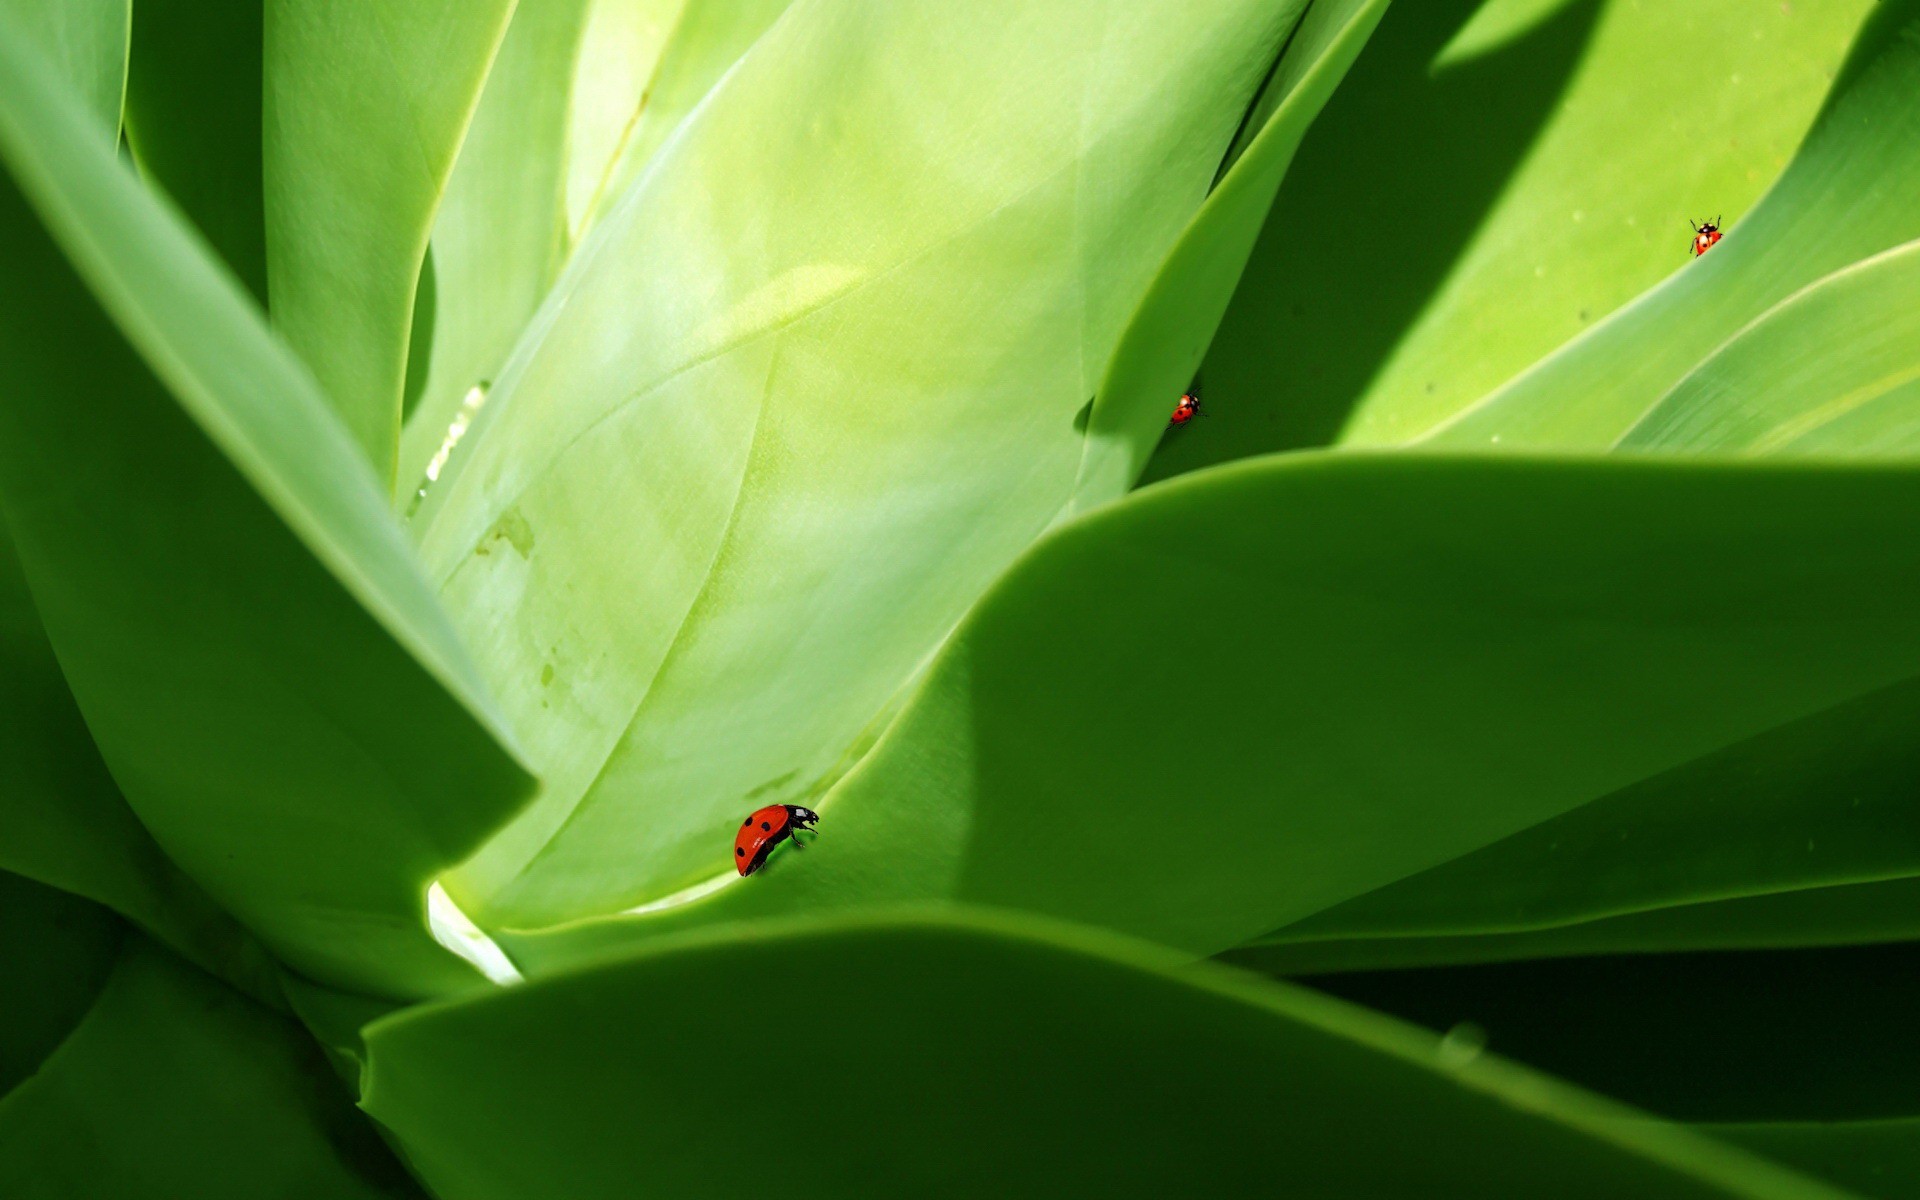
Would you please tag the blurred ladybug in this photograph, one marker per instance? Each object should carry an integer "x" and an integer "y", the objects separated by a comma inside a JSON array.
[
  {"x": 1186, "y": 410},
  {"x": 767, "y": 828},
  {"x": 1704, "y": 236}
]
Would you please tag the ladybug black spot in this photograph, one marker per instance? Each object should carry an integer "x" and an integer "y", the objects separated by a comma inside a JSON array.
[
  {"x": 739, "y": 853},
  {"x": 764, "y": 825},
  {"x": 746, "y": 824}
]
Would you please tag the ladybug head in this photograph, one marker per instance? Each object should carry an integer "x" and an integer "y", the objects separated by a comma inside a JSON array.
[{"x": 803, "y": 817}]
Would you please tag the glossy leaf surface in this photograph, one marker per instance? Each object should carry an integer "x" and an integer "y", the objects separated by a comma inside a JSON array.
[
  {"x": 366, "y": 102},
  {"x": 1845, "y": 197},
  {"x": 239, "y": 616},
  {"x": 765, "y": 444},
  {"x": 1493, "y": 179},
  {"x": 1230, "y": 703},
  {"x": 980, "y": 1056}
]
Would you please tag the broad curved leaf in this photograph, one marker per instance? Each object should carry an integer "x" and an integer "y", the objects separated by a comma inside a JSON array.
[
  {"x": 792, "y": 412},
  {"x": 84, "y": 42},
  {"x": 1493, "y": 178},
  {"x": 706, "y": 39},
  {"x": 1176, "y": 319},
  {"x": 1823, "y": 803},
  {"x": 1847, "y": 195},
  {"x": 1844, "y": 914},
  {"x": 63, "y": 821},
  {"x": 238, "y": 613},
  {"x": 365, "y": 104},
  {"x": 176, "y": 1086},
  {"x": 620, "y": 49},
  {"x": 1832, "y": 369},
  {"x": 1240, "y": 699},
  {"x": 982, "y": 1057},
  {"x": 500, "y": 235}
]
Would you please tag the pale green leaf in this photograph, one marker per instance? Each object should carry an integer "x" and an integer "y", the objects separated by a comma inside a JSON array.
[
  {"x": 811, "y": 387},
  {"x": 365, "y": 104},
  {"x": 1847, "y": 195},
  {"x": 1833, "y": 369}
]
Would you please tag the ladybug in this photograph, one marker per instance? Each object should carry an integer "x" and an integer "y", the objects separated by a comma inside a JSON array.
[
  {"x": 766, "y": 828},
  {"x": 1704, "y": 236},
  {"x": 1186, "y": 410}
]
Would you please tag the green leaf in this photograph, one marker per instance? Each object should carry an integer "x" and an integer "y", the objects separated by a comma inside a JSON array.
[
  {"x": 977, "y": 1056},
  {"x": 366, "y": 102},
  {"x": 1170, "y": 330},
  {"x": 1837, "y": 914},
  {"x": 706, "y": 38},
  {"x": 193, "y": 120},
  {"x": 1240, "y": 699},
  {"x": 1832, "y": 369},
  {"x": 238, "y": 614},
  {"x": 1822, "y": 803},
  {"x": 1492, "y": 179},
  {"x": 500, "y": 236},
  {"x": 56, "y": 951},
  {"x": 335, "y": 1019},
  {"x": 84, "y": 42},
  {"x": 63, "y": 821},
  {"x": 1846, "y": 196},
  {"x": 1874, "y": 1158},
  {"x": 176, "y": 1086},
  {"x": 812, "y": 387}
]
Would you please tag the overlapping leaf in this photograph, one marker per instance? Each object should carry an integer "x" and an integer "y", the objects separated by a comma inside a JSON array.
[
  {"x": 1833, "y": 369},
  {"x": 1492, "y": 180},
  {"x": 500, "y": 236},
  {"x": 1709, "y": 854},
  {"x": 62, "y": 819},
  {"x": 84, "y": 42},
  {"x": 814, "y": 384},
  {"x": 365, "y": 104},
  {"x": 238, "y": 614},
  {"x": 173, "y": 1086},
  {"x": 977, "y": 1056},
  {"x": 1178, "y": 316},
  {"x": 1236, "y": 701},
  {"x": 1846, "y": 196}
]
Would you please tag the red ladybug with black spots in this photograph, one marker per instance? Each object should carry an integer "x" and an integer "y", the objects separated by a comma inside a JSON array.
[
  {"x": 766, "y": 828},
  {"x": 1704, "y": 236},
  {"x": 1187, "y": 409}
]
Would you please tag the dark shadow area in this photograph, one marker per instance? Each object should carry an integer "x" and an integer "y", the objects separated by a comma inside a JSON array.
[
  {"x": 193, "y": 115},
  {"x": 1778, "y": 1035},
  {"x": 1388, "y": 187}
]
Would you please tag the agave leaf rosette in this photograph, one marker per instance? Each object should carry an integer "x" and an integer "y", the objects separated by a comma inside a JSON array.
[{"x": 459, "y": 458}]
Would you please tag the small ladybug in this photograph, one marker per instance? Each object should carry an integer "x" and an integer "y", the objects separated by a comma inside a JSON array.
[
  {"x": 1704, "y": 236},
  {"x": 1186, "y": 410},
  {"x": 767, "y": 828}
]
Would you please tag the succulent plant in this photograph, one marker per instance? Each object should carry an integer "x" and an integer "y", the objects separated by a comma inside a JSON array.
[{"x": 458, "y": 458}]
